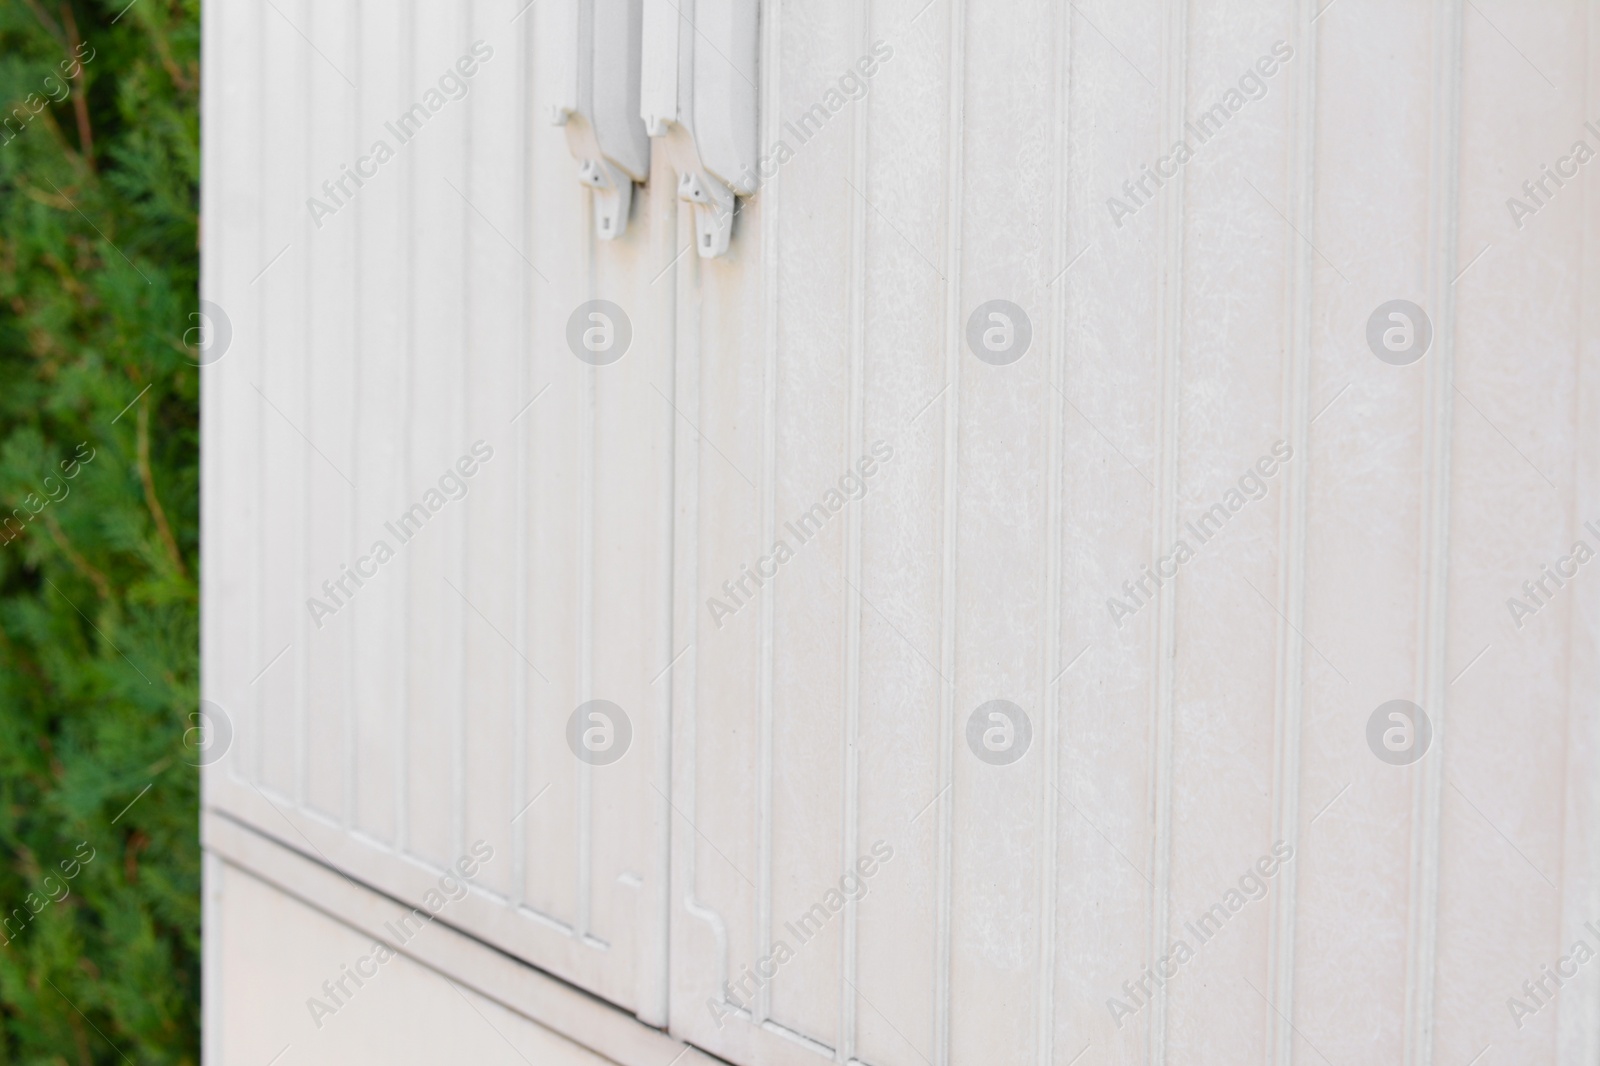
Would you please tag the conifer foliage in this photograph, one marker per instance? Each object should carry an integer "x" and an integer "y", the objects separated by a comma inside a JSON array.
[{"x": 99, "y": 856}]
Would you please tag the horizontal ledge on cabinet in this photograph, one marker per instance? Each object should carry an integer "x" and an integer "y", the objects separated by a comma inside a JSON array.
[{"x": 560, "y": 1007}]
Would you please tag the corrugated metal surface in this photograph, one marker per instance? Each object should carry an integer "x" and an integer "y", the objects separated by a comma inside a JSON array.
[
  {"x": 417, "y": 322},
  {"x": 1227, "y": 312}
]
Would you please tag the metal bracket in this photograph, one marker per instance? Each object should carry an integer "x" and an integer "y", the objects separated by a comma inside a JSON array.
[
  {"x": 698, "y": 99},
  {"x": 713, "y": 204},
  {"x": 596, "y": 97}
]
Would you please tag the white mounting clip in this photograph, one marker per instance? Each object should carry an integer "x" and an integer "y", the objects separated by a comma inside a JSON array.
[
  {"x": 698, "y": 97},
  {"x": 596, "y": 98}
]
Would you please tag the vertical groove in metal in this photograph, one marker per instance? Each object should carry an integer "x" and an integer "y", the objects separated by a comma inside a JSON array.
[
  {"x": 408, "y": 35},
  {"x": 458, "y": 714},
  {"x": 687, "y": 306},
  {"x": 1051, "y": 731},
  {"x": 1169, "y": 352},
  {"x": 1299, "y": 297},
  {"x": 352, "y": 734},
  {"x": 772, "y": 49},
  {"x": 948, "y": 730},
  {"x": 655, "y": 1008},
  {"x": 1423, "y": 931},
  {"x": 854, "y": 436},
  {"x": 523, "y": 512},
  {"x": 254, "y": 764},
  {"x": 585, "y": 620},
  {"x": 302, "y": 544}
]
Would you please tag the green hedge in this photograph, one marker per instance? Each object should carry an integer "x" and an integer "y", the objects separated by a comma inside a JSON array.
[{"x": 99, "y": 171}]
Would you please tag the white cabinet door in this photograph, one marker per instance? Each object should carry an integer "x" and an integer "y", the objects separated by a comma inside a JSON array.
[
  {"x": 400, "y": 400},
  {"x": 1213, "y": 388},
  {"x": 870, "y": 547},
  {"x": 1005, "y": 557}
]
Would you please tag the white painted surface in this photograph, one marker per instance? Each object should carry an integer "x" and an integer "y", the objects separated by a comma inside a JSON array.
[
  {"x": 382, "y": 344},
  {"x": 274, "y": 955},
  {"x": 235, "y": 851},
  {"x": 1167, "y": 355}
]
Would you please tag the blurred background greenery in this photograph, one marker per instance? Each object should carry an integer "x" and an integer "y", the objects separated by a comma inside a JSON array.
[{"x": 99, "y": 857}]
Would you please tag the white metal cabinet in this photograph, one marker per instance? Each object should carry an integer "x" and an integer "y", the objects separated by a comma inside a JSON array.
[
  {"x": 419, "y": 323},
  {"x": 1166, "y": 356}
]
